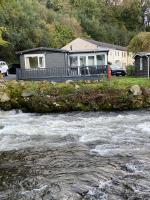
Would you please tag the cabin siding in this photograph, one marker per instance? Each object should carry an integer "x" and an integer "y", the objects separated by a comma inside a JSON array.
[
  {"x": 139, "y": 72},
  {"x": 22, "y": 61},
  {"x": 52, "y": 59},
  {"x": 55, "y": 59}
]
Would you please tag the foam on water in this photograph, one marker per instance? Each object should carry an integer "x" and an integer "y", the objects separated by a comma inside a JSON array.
[{"x": 113, "y": 132}]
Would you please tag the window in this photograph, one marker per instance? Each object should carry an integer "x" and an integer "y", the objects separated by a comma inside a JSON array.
[
  {"x": 100, "y": 59},
  {"x": 141, "y": 63},
  {"x": 73, "y": 61},
  {"x": 34, "y": 61},
  {"x": 90, "y": 60},
  {"x": 82, "y": 60}
]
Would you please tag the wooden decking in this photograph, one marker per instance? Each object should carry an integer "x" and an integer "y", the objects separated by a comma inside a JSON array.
[{"x": 61, "y": 74}]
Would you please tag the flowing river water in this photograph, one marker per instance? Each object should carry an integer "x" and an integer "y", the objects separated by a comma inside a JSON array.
[{"x": 75, "y": 156}]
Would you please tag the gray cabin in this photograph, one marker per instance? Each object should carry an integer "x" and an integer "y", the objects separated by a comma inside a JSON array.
[
  {"x": 142, "y": 64},
  {"x": 48, "y": 64}
]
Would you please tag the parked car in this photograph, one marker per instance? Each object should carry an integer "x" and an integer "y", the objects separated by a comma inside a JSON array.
[
  {"x": 118, "y": 70},
  {"x": 3, "y": 68},
  {"x": 12, "y": 68}
]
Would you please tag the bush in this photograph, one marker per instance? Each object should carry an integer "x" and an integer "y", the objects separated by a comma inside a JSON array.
[{"x": 131, "y": 70}]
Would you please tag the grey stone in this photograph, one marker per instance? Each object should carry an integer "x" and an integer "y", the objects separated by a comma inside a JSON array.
[
  {"x": 27, "y": 94},
  {"x": 53, "y": 83},
  {"x": 136, "y": 90},
  {"x": 2, "y": 86},
  {"x": 2, "y": 80},
  {"x": 69, "y": 81},
  {"x": 77, "y": 87},
  {"x": 4, "y": 97},
  {"x": 56, "y": 104},
  {"x": 147, "y": 91}
]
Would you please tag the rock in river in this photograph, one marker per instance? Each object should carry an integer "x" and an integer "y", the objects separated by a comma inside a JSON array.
[
  {"x": 4, "y": 97},
  {"x": 136, "y": 90}
]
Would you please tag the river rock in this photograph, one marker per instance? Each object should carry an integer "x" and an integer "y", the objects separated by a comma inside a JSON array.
[
  {"x": 53, "y": 83},
  {"x": 69, "y": 82},
  {"x": 77, "y": 87},
  {"x": 4, "y": 97},
  {"x": 2, "y": 86},
  {"x": 136, "y": 90},
  {"x": 27, "y": 94},
  {"x": 146, "y": 91},
  {"x": 22, "y": 83},
  {"x": 56, "y": 104},
  {"x": 2, "y": 80}
]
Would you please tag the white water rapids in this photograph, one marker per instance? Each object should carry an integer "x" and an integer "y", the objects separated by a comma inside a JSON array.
[
  {"x": 110, "y": 146},
  {"x": 127, "y": 132}
]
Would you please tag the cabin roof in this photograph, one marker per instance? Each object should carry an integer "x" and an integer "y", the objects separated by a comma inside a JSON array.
[
  {"x": 107, "y": 45},
  {"x": 58, "y": 50},
  {"x": 141, "y": 54},
  {"x": 41, "y": 49}
]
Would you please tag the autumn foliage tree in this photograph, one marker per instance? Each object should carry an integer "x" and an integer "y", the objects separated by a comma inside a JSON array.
[{"x": 140, "y": 42}]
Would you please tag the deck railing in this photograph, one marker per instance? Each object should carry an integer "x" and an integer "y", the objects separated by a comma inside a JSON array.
[{"x": 48, "y": 73}]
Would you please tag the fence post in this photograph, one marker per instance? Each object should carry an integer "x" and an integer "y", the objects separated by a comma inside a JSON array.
[
  {"x": 79, "y": 73},
  {"x": 17, "y": 74}
]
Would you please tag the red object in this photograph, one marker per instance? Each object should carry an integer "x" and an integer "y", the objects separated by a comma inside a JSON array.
[{"x": 109, "y": 73}]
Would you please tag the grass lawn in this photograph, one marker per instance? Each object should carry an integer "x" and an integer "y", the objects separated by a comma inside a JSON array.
[{"x": 124, "y": 82}]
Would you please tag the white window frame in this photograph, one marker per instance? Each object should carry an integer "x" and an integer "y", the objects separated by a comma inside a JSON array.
[
  {"x": 141, "y": 63},
  {"x": 35, "y": 55},
  {"x": 89, "y": 54}
]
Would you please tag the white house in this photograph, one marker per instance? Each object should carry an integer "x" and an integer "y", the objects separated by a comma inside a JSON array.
[{"x": 117, "y": 55}]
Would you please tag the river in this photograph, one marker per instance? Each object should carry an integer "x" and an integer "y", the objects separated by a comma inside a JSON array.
[{"x": 75, "y": 156}]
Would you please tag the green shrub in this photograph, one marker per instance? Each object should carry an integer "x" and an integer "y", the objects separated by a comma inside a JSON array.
[{"x": 131, "y": 70}]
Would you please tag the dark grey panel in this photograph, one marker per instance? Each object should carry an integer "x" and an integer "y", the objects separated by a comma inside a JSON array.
[
  {"x": 22, "y": 61},
  {"x": 55, "y": 59}
]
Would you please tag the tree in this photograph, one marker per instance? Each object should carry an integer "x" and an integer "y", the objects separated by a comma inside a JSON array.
[
  {"x": 140, "y": 42},
  {"x": 3, "y": 43},
  {"x": 131, "y": 14},
  {"x": 146, "y": 14}
]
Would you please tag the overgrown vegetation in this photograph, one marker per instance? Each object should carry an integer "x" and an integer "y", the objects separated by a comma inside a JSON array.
[
  {"x": 46, "y": 97},
  {"x": 53, "y": 23},
  {"x": 140, "y": 42}
]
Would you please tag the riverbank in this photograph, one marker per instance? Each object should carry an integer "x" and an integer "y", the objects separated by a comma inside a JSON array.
[{"x": 48, "y": 97}]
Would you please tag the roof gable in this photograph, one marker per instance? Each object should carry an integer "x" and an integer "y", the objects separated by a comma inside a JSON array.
[
  {"x": 107, "y": 45},
  {"x": 89, "y": 44},
  {"x": 79, "y": 44}
]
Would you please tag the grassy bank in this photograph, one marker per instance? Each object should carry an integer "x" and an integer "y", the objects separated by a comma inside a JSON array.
[{"x": 46, "y": 97}]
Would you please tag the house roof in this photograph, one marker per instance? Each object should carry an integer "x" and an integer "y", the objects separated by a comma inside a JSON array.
[
  {"x": 107, "y": 45},
  {"x": 141, "y": 54},
  {"x": 40, "y": 49}
]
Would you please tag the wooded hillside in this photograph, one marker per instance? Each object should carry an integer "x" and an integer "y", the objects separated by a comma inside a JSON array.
[{"x": 53, "y": 23}]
